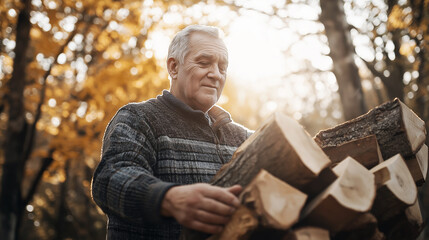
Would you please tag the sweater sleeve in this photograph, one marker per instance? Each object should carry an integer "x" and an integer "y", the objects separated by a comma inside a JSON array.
[{"x": 123, "y": 183}]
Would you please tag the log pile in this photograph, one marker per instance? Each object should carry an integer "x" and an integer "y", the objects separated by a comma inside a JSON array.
[{"x": 357, "y": 180}]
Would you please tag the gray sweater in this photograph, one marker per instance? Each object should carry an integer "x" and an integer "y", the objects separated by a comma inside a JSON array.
[{"x": 151, "y": 146}]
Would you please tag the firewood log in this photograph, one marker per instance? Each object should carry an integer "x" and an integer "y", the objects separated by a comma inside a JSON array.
[
  {"x": 268, "y": 201},
  {"x": 283, "y": 148},
  {"x": 365, "y": 226},
  {"x": 240, "y": 227},
  {"x": 364, "y": 150},
  {"x": 396, "y": 189},
  {"x": 350, "y": 195},
  {"x": 406, "y": 225},
  {"x": 418, "y": 165},
  {"x": 397, "y": 128},
  {"x": 308, "y": 233},
  {"x": 276, "y": 203}
]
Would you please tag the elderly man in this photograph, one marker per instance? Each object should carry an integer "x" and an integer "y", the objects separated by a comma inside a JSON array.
[{"x": 159, "y": 155}]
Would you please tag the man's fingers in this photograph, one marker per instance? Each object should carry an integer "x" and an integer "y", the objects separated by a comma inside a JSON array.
[
  {"x": 222, "y": 195},
  {"x": 211, "y": 218},
  {"x": 216, "y": 207},
  {"x": 236, "y": 190}
]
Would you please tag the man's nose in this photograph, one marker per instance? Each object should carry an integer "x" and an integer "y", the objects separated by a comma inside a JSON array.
[{"x": 214, "y": 72}]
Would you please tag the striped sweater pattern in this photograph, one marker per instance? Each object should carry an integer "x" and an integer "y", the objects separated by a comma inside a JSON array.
[{"x": 151, "y": 146}]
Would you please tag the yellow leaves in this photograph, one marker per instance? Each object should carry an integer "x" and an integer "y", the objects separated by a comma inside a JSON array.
[
  {"x": 103, "y": 41},
  {"x": 7, "y": 60},
  {"x": 398, "y": 18},
  {"x": 133, "y": 28},
  {"x": 57, "y": 69},
  {"x": 35, "y": 33},
  {"x": 407, "y": 48},
  {"x": 44, "y": 42}
]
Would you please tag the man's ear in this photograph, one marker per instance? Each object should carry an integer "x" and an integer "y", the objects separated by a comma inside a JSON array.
[{"x": 172, "y": 66}]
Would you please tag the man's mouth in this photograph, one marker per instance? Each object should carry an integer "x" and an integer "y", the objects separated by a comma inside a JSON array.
[{"x": 210, "y": 86}]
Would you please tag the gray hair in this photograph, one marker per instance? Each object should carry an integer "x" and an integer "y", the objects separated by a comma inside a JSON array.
[{"x": 179, "y": 47}]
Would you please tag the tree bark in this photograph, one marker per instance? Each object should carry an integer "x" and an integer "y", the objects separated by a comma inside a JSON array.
[
  {"x": 342, "y": 54},
  {"x": 397, "y": 128},
  {"x": 10, "y": 196},
  {"x": 364, "y": 150}
]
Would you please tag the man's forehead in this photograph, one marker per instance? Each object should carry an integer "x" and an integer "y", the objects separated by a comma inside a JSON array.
[{"x": 209, "y": 55}]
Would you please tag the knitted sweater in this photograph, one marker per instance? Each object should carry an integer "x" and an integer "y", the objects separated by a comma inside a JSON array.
[{"x": 151, "y": 146}]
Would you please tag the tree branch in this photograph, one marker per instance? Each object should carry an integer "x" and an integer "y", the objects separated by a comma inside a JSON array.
[
  {"x": 29, "y": 140},
  {"x": 46, "y": 162}
]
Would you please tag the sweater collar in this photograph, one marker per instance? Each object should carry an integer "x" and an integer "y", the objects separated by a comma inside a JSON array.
[{"x": 216, "y": 116}]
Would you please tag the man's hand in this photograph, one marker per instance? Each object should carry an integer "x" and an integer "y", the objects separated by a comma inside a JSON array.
[{"x": 201, "y": 206}]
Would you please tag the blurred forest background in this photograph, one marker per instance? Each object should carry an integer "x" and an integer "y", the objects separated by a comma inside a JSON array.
[{"x": 67, "y": 66}]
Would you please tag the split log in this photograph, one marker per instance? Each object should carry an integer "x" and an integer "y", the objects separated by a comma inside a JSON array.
[
  {"x": 276, "y": 203},
  {"x": 318, "y": 185},
  {"x": 396, "y": 189},
  {"x": 418, "y": 165},
  {"x": 308, "y": 233},
  {"x": 268, "y": 202},
  {"x": 364, "y": 150},
  {"x": 406, "y": 225},
  {"x": 345, "y": 199},
  {"x": 241, "y": 225},
  {"x": 365, "y": 226},
  {"x": 283, "y": 148},
  {"x": 397, "y": 128}
]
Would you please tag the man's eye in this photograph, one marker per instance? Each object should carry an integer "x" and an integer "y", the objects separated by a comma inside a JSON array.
[
  {"x": 222, "y": 69},
  {"x": 204, "y": 63}
]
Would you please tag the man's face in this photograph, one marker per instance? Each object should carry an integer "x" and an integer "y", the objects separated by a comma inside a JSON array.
[{"x": 199, "y": 81}]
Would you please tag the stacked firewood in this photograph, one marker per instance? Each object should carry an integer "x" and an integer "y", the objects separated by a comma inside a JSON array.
[{"x": 357, "y": 180}]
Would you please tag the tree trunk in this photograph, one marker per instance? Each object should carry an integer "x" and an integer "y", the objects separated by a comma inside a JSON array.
[
  {"x": 62, "y": 208},
  {"x": 342, "y": 54},
  {"x": 10, "y": 196}
]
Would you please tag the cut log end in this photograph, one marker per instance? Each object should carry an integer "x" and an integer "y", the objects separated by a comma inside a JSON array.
[
  {"x": 396, "y": 189},
  {"x": 394, "y": 174},
  {"x": 311, "y": 154},
  {"x": 308, "y": 233},
  {"x": 415, "y": 127},
  {"x": 352, "y": 193},
  {"x": 275, "y": 202}
]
